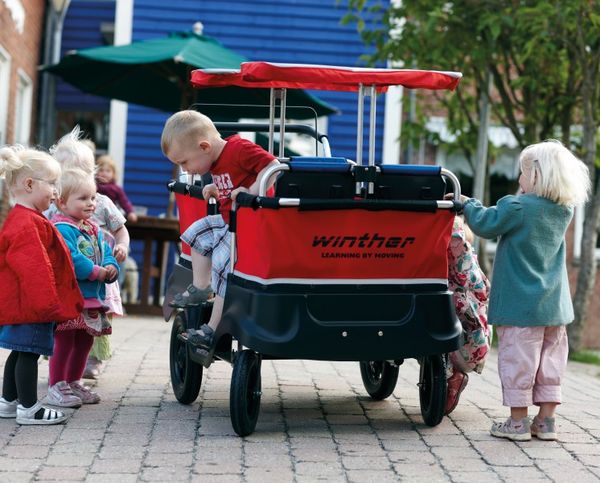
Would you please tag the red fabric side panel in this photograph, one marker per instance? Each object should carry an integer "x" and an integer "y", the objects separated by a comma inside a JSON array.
[
  {"x": 354, "y": 244},
  {"x": 190, "y": 210}
]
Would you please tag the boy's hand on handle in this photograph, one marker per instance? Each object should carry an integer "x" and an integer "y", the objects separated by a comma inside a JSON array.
[
  {"x": 236, "y": 191},
  {"x": 132, "y": 217},
  {"x": 210, "y": 190},
  {"x": 120, "y": 252}
]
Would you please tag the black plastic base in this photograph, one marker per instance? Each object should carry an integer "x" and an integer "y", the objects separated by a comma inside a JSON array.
[{"x": 341, "y": 322}]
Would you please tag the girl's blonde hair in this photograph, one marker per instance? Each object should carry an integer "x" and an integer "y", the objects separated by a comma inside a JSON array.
[
  {"x": 18, "y": 161},
  {"x": 186, "y": 127},
  {"x": 106, "y": 160},
  {"x": 74, "y": 179},
  {"x": 72, "y": 153},
  {"x": 556, "y": 173}
]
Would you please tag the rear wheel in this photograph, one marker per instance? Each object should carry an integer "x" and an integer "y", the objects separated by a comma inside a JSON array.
[
  {"x": 186, "y": 375},
  {"x": 432, "y": 388},
  {"x": 245, "y": 392},
  {"x": 379, "y": 378}
]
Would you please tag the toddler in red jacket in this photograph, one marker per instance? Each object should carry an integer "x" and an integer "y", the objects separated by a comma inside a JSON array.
[{"x": 37, "y": 282}]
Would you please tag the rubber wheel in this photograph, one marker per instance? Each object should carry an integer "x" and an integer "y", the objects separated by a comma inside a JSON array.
[
  {"x": 379, "y": 378},
  {"x": 432, "y": 389},
  {"x": 186, "y": 375},
  {"x": 245, "y": 392}
]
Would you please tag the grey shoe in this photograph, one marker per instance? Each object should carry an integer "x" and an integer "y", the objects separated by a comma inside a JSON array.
[
  {"x": 8, "y": 409},
  {"x": 195, "y": 296},
  {"x": 203, "y": 337},
  {"x": 513, "y": 430},
  {"x": 544, "y": 430}
]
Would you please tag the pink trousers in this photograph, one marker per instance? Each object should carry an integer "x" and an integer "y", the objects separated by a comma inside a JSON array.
[{"x": 531, "y": 364}]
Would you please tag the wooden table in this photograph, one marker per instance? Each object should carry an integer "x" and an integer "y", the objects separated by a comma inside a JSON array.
[{"x": 152, "y": 230}]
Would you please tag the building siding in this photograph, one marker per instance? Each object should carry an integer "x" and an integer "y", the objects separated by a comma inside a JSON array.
[
  {"x": 81, "y": 31},
  {"x": 278, "y": 31}
]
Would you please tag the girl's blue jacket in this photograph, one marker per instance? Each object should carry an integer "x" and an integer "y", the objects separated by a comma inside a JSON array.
[{"x": 86, "y": 254}]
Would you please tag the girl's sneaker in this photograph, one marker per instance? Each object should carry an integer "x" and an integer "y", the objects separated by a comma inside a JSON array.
[
  {"x": 60, "y": 394},
  {"x": 513, "y": 430},
  {"x": 30, "y": 416},
  {"x": 8, "y": 409},
  {"x": 84, "y": 393},
  {"x": 545, "y": 430}
]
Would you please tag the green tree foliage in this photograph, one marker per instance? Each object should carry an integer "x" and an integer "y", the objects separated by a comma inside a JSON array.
[
  {"x": 544, "y": 57},
  {"x": 534, "y": 82}
]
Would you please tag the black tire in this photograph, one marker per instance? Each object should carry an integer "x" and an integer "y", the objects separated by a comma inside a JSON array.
[
  {"x": 186, "y": 375},
  {"x": 432, "y": 389},
  {"x": 379, "y": 378},
  {"x": 245, "y": 392}
]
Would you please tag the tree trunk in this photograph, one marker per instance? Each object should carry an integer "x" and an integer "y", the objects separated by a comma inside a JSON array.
[{"x": 586, "y": 279}]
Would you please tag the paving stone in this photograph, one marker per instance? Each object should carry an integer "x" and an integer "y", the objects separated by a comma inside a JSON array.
[
  {"x": 62, "y": 473},
  {"x": 218, "y": 468},
  {"x": 15, "y": 476},
  {"x": 119, "y": 466},
  {"x": 372, "y": 476},
  {"x": 67, "y": 459},
  {"x": 28, "y": 452},
  {"x": 112, "y": 478},
  {"x": 217, "y": 478}
]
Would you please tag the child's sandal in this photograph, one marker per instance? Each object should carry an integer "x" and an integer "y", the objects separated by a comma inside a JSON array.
[
  {"x": 30, "y": 416},
  {"x": 202, "y": 337},
  {"x": 195, "y": 296}
]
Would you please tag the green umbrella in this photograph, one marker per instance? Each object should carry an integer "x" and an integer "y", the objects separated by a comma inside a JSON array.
[{"x": 156, "y": 73}]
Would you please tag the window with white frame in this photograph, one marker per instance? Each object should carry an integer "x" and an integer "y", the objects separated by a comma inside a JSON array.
[
  {"x": 4, "y": 93},
  {"x": 23, "y": 104}
]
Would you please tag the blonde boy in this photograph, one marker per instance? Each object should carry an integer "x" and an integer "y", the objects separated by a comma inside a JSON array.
[{"x": 191, "y": 141}]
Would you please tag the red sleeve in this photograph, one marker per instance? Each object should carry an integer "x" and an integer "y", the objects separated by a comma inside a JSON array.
[{"x": 253, "y": 158}]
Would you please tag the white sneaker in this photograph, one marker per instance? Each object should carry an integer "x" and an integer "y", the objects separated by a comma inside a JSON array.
[
  {"x": 26, "y": 416},
  {"x": 8, "y": 409},
  {"x": 62, "y": 395}
]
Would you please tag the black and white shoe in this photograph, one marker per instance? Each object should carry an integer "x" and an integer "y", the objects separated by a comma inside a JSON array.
[{"x": 39, "y": 414}]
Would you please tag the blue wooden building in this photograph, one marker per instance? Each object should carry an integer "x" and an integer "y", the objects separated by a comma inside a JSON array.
[{"x": 300, "y": 31}]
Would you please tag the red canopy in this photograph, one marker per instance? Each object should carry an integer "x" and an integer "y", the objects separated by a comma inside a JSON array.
[{"x": 323, "y": 77}]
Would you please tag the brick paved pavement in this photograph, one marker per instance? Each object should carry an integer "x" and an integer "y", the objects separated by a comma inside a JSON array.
[{"x": 316, "y": 423}]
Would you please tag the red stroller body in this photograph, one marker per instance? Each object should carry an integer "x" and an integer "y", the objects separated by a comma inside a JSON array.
[{"x": 346, "y": 262}]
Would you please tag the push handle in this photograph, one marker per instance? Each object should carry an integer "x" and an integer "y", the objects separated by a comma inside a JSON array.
[{"x": 193, "y": 191}]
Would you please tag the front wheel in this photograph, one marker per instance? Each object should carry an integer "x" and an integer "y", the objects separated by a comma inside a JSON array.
[
  {"x": 186, "y": 375},
  {"x": 379, "y": 378},
  {"x": 245, "y": 392},
  {"x": 432, "y": 388}
]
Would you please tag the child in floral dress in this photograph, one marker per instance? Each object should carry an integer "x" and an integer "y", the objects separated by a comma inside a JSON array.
[{"x": 470, "y": 289}]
